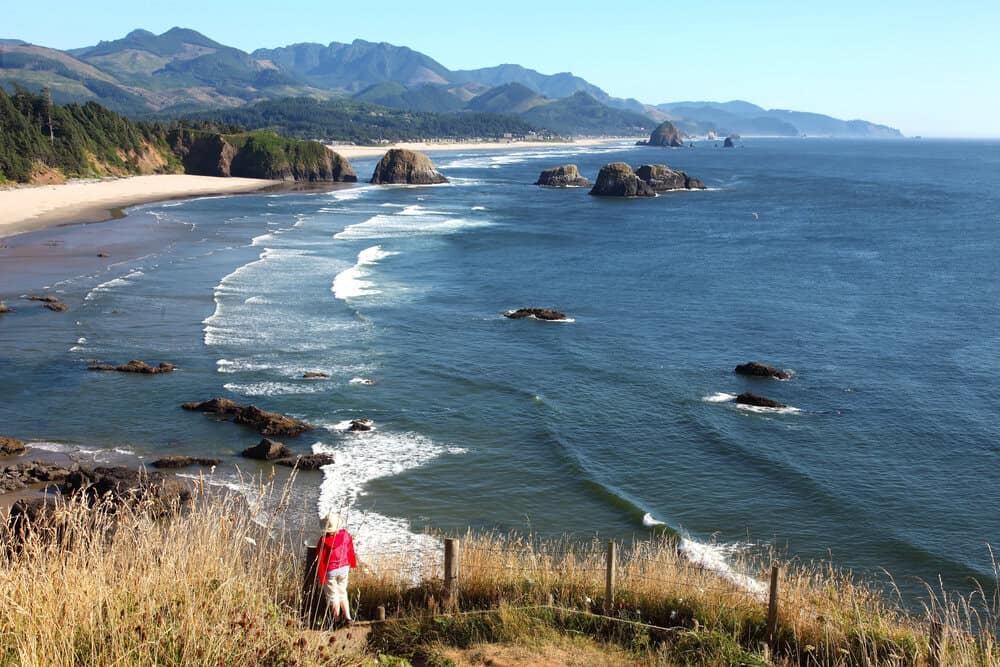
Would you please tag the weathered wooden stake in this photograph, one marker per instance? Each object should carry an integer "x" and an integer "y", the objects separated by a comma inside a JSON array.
[
  {"x": 609, "y": 583},
  {"x": 772, "y": 608},
  {"x": 937, "y": 635},
  {"x": 451, "y": 561},
  {"x": 312, "y": 595},
  {"x": 380, "y": 613}
]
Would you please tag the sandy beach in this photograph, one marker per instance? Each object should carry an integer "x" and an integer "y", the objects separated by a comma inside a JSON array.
[
  {"x": 24, "y": 209},
  {"x": 352, "y": 151}
]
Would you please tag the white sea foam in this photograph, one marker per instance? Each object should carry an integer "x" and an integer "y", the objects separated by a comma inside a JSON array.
[
  {"x": 715, "y": 557},
  {"x": 271, "y": 388},
  {"x": 649, "y": 520},
  {"x": 351, "y": 283},
  {"x": 256, "y": 300},
  {"x": 121, "y": 281},
  {"x": 367, "y": 381},
  {"x": 417, "y": 209},
  {"x": 479, "y": 208},
  {"x": 720, "y": 397},
  {"x": 392, "y": 226},
  {"x": 787, "y": 410}
]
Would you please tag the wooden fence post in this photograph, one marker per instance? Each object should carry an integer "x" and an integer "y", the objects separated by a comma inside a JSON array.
[
  {"x": 772, "y": 608},
  {"x": 380, "y": 613},
  {"x": 451, "y": 561},
  {"x": 609, "y": 583},
  {"x": 937, "y": 634},
  {"x": 312, "y": 594}
]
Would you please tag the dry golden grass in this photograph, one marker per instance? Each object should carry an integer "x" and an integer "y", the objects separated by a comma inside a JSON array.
[{"x": 220, "y": 584}]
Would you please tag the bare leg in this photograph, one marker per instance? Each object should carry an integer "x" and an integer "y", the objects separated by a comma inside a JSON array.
[{"x": 345, "y": 601}]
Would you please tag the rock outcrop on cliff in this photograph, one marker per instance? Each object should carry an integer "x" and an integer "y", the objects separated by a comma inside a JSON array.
[
  {"x": 564, "y": 176},
  {"x": 618, "y": 180},
  {"x": 267, "y": 423},
  {"x": 666, "y": 134},
  {"x": 661, "y": 178},
  {"x": 258, "y": 154},
  {"x": 401, "y": 166}
]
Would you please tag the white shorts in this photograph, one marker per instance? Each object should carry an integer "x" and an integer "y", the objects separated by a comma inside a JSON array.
[{"x": 336, "y": 587}]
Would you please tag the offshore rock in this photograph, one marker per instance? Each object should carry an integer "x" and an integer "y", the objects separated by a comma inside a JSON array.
[
  {"x": 4, "y": 308},
  {"x": 754, "y": 369},
  {"x": 310, "y": 462},
  {"x": 56, "y": 306},
  {"x": 401, "y": 166},
  {"x": 618, "y": 180},
  {"x": 749, "y": 398},
  {"x": 185, "y": 461},
  {"x": 536, "y": 313},
  {"x": 267, "y": 450},
  {"x": 661, "y": 178},
  {"x": 314, "y": 375},
  {"x": 564, "y": 176},
  {"x": 135, "y": 366},
  {"x": 266, "y": 423},
  {"x": 728, "y": 143},
  {"x": 666, "y": 134},
  {"x": 43, "y": 299}
]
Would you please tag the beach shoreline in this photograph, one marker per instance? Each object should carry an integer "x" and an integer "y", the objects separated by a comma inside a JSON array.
[{"x": 31, "y": 208}]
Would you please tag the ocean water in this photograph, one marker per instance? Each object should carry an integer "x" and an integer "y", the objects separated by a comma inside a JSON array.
[{"x": 870, "y": 270}]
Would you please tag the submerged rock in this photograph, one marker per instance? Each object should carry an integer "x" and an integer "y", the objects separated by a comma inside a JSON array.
[
  {"x": 44, "y": 299},
  {"x": 661, "y": 178},
  {"x": 56, "y": 306},
  {"x": 185, "y": 461},
  {"x": 755, "y": 369},
  {"x": 666, "y": 134},
  {"x": 401, "y": 166},
  {"x": 135, "y": 366},
  {"x": 618, "y": 180},
  {"x": 10, "y": 446},
  {"x": 310, "y": 462},
  {"x": 267, "y": 450},
  {"x": 749, "y": 398},
  {"x": 535, "y": 313},
  {"x": 563, "y": 176},
  {"x": 314, "y": 375},
  {"x": 267, "y": 423}
]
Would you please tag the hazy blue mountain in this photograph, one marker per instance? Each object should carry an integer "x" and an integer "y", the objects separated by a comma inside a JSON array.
[
  {"x": 563, "y": 84},
  {"x": 356, "y": 66},
  {"x": 816, "y": 124},
  {"x": 734, "y": 107},
  {"x": 508, "y": 98},
  {"x": 711, "y": 118},
  {"x": 582, "y": 114},
  {"x": 428, "y": 97}
]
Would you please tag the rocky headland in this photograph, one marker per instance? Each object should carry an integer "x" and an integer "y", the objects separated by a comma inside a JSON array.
[
  {"x": 405, "y": 167},
  {"x": 563, "y": 176}
]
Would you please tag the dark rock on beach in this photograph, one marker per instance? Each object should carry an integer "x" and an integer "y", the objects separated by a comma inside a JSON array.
[
  {"x": 536, "y": 313},
  {"x": 666, "y": 134},
  {"x": 157, "y": 491},
  {"x": 618, "y": 180},
  {"x": 185, "y": 461},
  {"x": 661, "y": 178},
  {"x": 310, "y": 462},
  {"x": 266, "y": 423},
  {"x": 401, "y": 166},
  {"x": 314, "y": 375},
  {"x": 10, "y": 446},
  {"x": 755, "y": 369},
  {"x": 17, "y": 476},
  {"x": 134, "y": 366},
  {"x": 564, "y": 176},
  {"x": 749, "y": 398},
  {"x": 267, "y": 450}
]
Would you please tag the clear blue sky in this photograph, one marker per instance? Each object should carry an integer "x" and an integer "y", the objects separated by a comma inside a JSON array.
[{"x": 930, "y": 68}]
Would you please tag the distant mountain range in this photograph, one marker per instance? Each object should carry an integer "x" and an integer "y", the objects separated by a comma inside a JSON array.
[{"x": 181, "y": 71}]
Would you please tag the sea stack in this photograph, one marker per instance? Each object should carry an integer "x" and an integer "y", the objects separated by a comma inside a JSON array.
[
  {"x": 564, "y": 176},
  {"x": 661, "y": 178},
  {"x": 618, "y": 180},
  {"x": 728, "y": 143},
  {"x": 665, "y": 135},
  {"x": 400, "y": 166}
]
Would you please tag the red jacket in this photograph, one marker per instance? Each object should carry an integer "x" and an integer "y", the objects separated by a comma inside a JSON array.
[{"x": 333, "y": 552}]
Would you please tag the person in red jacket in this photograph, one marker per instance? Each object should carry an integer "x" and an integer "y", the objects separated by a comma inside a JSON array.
[{"x": 335, "y": 558}]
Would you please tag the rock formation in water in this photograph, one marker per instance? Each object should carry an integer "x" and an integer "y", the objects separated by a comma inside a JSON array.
[
  {"x": 310, "y": 462},
  {"x": 10, "y": 446},
  {"x": 185, "y": 461},
  {"x": 314, "y": 375},
  {"x": 564, "y": 176},
  {"x": 267, "y": 423},
  {"x": 728, "y": 143},
  {"x": 4, "y": 308},
  {"x": 135, "y": 366},
  {"x": 618, "y": 180},
  {"x": 665, "y": 135},
  {"x": 749, "y": 398},
  {"x": 267, "y": 450},
  {"x": 755, "y": 369},
  {"x": 56, "y": 306},
  {"x": 361, "y": 425},
  {"x": 662, "y": 178},
  {"x": 535, "y": 313},
  {"x": 401, "y": 166}
]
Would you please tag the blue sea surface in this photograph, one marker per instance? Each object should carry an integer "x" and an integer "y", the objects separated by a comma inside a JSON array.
[{"x": 868, "y": 269}]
